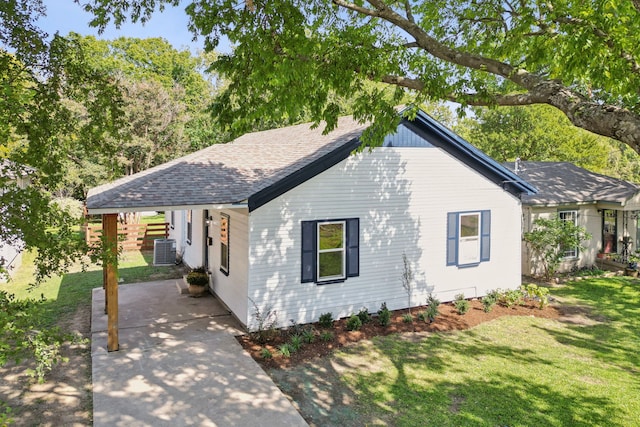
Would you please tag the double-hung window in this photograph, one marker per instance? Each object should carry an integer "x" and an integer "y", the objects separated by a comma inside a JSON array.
[
  {"x": 569, "y": 217},
  {"x": 224, "y": 243},
  {"x": 330, "y": 250},
  {"x": 468, "y": 238}
]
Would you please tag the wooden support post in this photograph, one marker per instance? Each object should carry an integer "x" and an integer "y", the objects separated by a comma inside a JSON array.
[{"x": 110, "y": 233}]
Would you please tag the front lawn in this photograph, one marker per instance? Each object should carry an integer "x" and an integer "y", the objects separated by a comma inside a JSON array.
[{"x": 581, "y": 370}]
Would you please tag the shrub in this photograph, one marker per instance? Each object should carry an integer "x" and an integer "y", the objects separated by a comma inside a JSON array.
[
  {"x": 461, "y": 304},
  {"x": 364, "y": 315},
  {"x": 407, "y": 318},
  {"x": 537, "y": 293},
  {"x": 198, "y": 277},
  {"x": 488, "y": 302},
  {"x": 548, "y": 238},
  {"x": 422, "y": 316},
  {"x": 354, "y": 323},
  {"x": 326, "y": 336},
  {"x": 326, "y": 320},
  {"x": 384, "y": 315},
  {"x": 295, "y": 342},
  {"x": 432, "y": 307},
  {"x": 266, "y": 321},
  {"x": 308, "y": 335},
  {"x": 511, "y": 297},
  {"x": 285, "y": 349},
  {"x": 265, "y": 353},
  {"x": 431, "y": 300},
  {"x": 431, "y": 312}
]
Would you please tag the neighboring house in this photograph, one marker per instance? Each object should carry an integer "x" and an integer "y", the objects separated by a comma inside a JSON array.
[
  {"x": 292, "y": 220},
  {"x": 11, "y": 252},
  {"x": 606, "y": 207}
]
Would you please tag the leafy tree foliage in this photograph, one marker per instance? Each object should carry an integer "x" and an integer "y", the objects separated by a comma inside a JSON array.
[
  {"x": 549, "y": 239},
  {"x": 578, "y": 56},
  {"x": 42, "y": 81},
  {"x": 542, "y": 133}
]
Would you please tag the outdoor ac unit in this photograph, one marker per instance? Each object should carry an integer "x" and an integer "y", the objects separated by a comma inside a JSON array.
[{"x": 164, "y": 252}]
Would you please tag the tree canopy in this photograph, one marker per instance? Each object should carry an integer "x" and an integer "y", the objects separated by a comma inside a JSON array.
[{"x": 581, "y": 57}]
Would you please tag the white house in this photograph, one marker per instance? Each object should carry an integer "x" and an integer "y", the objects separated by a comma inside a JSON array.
[
  {"x": 608, "y": 208},
  {"x": 295, "y": 221}
]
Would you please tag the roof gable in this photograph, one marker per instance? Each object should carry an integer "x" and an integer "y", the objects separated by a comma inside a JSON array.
[{"x": 260, "y": 166}]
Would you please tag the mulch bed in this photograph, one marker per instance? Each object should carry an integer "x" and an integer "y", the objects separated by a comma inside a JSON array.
[{"x": 447, "y": 320}]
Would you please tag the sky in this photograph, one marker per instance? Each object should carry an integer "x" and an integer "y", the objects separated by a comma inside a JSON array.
[{"x": 65, "y": 16}]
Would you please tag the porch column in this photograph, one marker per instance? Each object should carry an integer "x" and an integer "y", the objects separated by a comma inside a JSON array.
[{"x": 110, "y": 275}]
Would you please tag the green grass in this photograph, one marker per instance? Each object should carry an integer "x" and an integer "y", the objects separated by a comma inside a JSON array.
[
  {"x": 64, "y": 294},
  {"x": 514, "y": 371}
]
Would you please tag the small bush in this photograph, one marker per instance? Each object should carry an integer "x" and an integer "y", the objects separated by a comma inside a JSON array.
[
  {"x": 432, "y": 307},
  {"x": 511, "y": 297},
  {"x": 266, "y": 320},
  {"x": 461, "y": 304},
  {"x": 407, "y": 318},
  {"x": 422, "y": 316},
  {"x": 537, "y": 293},
  {"x": 326, "y": 320},
  {"x": 265, "y": 353},
  {"x": 326, "y": 336},
  {"x": 354, "y": 323},
  {"x": 285, "y": 350},
  {"x": 308, "y": 335},
  {"x": 431, "y": 312},
  {"x": 431, "y": 300},
  {"x": 487, "y": 303},
  {"x": 198, "y": 277},
  {"x": 384, "y": 315},
  {"x": 296, "y": 342},
  {"x": 364, "y": 315}
]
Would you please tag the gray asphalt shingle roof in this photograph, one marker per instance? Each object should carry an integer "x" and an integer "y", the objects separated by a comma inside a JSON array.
[
  {"x": 564, "y": 182},
  {"x": 224, "y": 173}
]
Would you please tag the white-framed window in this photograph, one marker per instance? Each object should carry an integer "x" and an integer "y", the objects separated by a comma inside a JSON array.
[
  {"x": 331, "y": 250},
  {"x": 224, "y": 243},
  {"x": 189, "y": 226},
  {"x": 468, "y": 238},
  {"x": 570, "y": 217}
]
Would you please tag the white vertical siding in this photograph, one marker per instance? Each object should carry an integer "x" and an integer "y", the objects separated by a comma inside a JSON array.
[
  {"x": 402, "y": 197},
  {"x": 231, "y": 289}
]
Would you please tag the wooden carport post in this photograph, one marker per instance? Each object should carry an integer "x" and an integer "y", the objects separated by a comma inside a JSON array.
[{"x": 110, "y": 276}]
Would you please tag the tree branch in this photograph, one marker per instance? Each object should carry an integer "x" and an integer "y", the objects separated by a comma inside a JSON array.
[
  {"x": 611, "y": 44},
  {"x": 355, "y": 8},
  {"x": 407, "y": 8}
]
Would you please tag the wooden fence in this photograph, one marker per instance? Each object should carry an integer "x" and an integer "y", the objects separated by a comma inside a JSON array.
[{"x": 132, "y": 237}]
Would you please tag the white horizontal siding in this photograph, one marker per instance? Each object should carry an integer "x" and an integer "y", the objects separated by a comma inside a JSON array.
[
  {"x": 231, "y": 289},
  {"x": 402, "y": 196}
]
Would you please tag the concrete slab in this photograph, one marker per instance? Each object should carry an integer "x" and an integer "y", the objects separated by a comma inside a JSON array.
[{"x": 178, "y": 364}]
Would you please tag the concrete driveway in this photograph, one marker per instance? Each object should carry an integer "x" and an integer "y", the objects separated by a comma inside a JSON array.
[{"x": 178, "y": 364}]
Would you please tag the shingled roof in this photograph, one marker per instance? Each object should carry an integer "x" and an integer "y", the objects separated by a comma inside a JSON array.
[
  {"x": 257, "y": 167},
  {"x": 566, "y": 183},
  {"x": 225, "y": 174}
]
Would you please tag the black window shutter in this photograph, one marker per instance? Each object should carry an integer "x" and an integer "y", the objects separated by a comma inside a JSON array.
[
  {"x": 452, "y": 238},
  {"x": 309, "y": 247},
  {"x": 353, "y": 247},
  {"x": 485, "y": 242}
]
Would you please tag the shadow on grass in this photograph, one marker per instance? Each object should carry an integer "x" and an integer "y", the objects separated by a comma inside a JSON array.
[{"x": 615, "y": 302}]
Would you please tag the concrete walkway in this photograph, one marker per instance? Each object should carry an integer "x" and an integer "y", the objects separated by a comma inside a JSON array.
[{"x": 178, "y": 365}]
